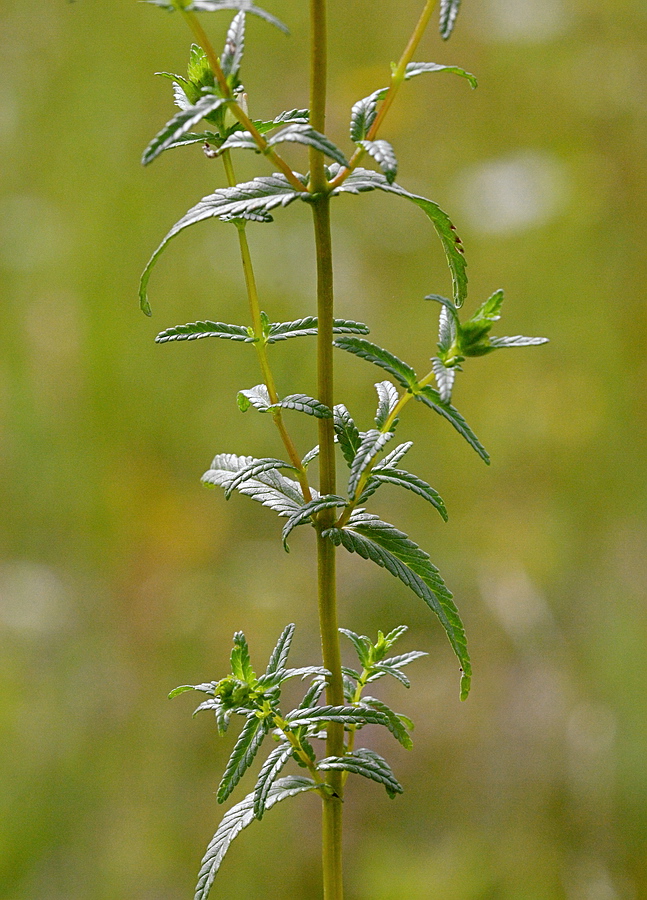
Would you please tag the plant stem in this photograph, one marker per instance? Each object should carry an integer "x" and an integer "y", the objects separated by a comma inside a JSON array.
[{"x": 327, "y": 593}]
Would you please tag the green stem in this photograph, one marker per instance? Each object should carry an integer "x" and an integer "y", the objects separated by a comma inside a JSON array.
[{"x": 327, "y": 594}]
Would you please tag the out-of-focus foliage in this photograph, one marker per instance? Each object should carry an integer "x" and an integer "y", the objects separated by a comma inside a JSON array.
[{"x": 114, "y": 585}]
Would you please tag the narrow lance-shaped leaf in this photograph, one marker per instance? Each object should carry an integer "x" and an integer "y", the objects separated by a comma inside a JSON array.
[
  {"x": 400, "y": 478},
  {"x": 270, "y": 771},
  {"x": 196, "y": 330},
  {"x": 234, "y": 46},
  {"x": 303, "y": 403},
  {"x": 309, "y": 510},
  {"x": 238, "y": 817},
  {"x": 384, "y": 155},
  {"x": 241, "y": 665},
  {"x": 247, "y": 745},
  {"x": 419, "y": 68},
  {"x": 433, "y": 400},
  {"x": 281, "y": 331},
  {"x": 361, "y": 643},
  {"x": 243, "y": 5},
  {"x": 252, "y": 471},
  {"x": 400, "y": 370},
  {"x": 444, "y": 378},
  {"x": 448, "y": 12},
  {"x": 363, "y": 114},
  {"x": 372, "y": 442},
  {"x": 518, "y": 340},
  {"x": 270, "y": 488},
  {"x": 279, "y": 655},
  {"x": 395, "y": 722},
  {"x": 366, "y": 763},
  {"x": 346, "y": 432},
  {"x": 348, "y": 715},
  {"x": 387, "y": 397},
  {"x": 181, "y": 122},
  {"x": 305, "y": 134}
]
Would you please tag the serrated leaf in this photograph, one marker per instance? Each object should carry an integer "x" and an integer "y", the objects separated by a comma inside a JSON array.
[
  {"x": 251, "y": 198},
  {"x": 181, "y": 122},
  {"x": 182, "y": 689},
  {"x": 310, "y": 455},
  {"x": 269, "y": 773},
  {"x": 497, "y": 343},
  {"x": 232, "y": 53},
  {"x": 238, "y": 817},
  {"x": 271, "y": 488},
  {"x": 308, "y": 510},
  {"x": 279, "y": 655},
  {"x": 404, "y": 659},
  {"x": 362, "y": 180},
  {"x": 397, "y": 724},
  {"x": 202, "y": 137},
  {"x": 444, "y": 378},
  {"x": 393, "y": 458},
  {"x": 446, "y": 331},
  {"x": 490, "y": 309},
  {"x": 400, "y": 370},
  {"x": 281, "y": 331},
  {"x": 199, "y": 71},
  {"x": 242, "y": 5},
  {"x": 389, "y": 475},
  {"x": 391, "y": 549},
  {"x": 303, "y": 403},
  {"x": 347, "y": 715},
  {"x": 361, "y": 643},
  {"x": 239, "y": 140},
  {"x": 382, "y": 669},
  {"x": 296, "y": 116},
  {"x": 431, "y": 398},
  {"x": 253, "y": 470},
  {"x": 241, "y": 665},
  {"x": 346, "y": 432},
  {"x": 448, "y": 12},
  {"x": 246, "y": 748},
  {"x": 363, "y": 114},
  {"x": 384, "y": 155},
  {"x": 366, "y": 763},
  {"x": 305, "y": 134},
  {"x": 196, "y": 330},
  {"x": 313, "y": 693},
  {"x": 419, "y": 68},
  {"x": 372, "y": 442},
  {"x": 387, "y": 400}
]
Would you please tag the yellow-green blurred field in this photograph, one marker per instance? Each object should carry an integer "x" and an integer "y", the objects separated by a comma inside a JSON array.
[{"x": 121, "y": 577}]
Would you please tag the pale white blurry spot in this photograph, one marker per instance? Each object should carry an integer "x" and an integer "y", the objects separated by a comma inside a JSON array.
[
  {"x": 515, "y": 601},
  {"x": 32, "y": 597},
  {"x": 512, "y": 193},
  {"x": 526, "y": 21},
  {"x": 591, "y": 731},
  {"x": 32, "y": 234},
  {"x": 589, "y": 879}
]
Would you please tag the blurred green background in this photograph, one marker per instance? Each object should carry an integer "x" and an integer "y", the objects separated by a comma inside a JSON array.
[{"x": 121, "y": 577}]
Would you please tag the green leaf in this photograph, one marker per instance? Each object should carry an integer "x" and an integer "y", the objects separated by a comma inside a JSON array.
[
  {"x": 367, "y": 763},
  {"x": 393, "y": 458},
  {"x": 362, "y": 180},
  {"x": 279, "y": 655},
  {"x": 271, "y": 488},
  {"x": 238, "y": 817},
  {"x": 363, "y": 114},
  {"x": 199, "y": 71},
  {"x": 196, "y": 330},
  {"x": 348, "y": 715},
  {"x": 397, "y": 724},
  {"x": 202, "y": 137},
  {"x": 404, "y": 659},
  {"x": 497, "y": 343},
  {"x": 232, "y": 53},
  {"x": 433, "y": 400},
  {"x": 182, "y": 689},
  {"x": 362, "y": 645},
  {"x": 400, "y": 370},
  {"x": 313, "y": 693},
  {"x": 239, "y": 140},
  {"x": 384, "y": 155},
  {"x": 296, "y": 116},
  {"x": 387, "y": 400},
  {"x": 242, "y": 5},
  {"x": 305, "y": 134},
  {"x": 388, "y": 475},
  {"x": 310, "y": 455},
  {"x": 390, "y": 548},
  {"x": 249, "y": 199},
  {"x": 181, "y": 122},
  {"x": 448, "y": 13},
  {"x": 303, "y": 403},
  {"x": 346, "y": 432},
  {"x": 258, "y": 397},
  {"x": 269, "y": 773},
  {"x": 444, "y": 378},
  {"x": 281, "y": 331},
  {"x": 241, "y": 665},
  {"x": 382, "y": 669},
  {"x": 418, "y": 68},
  {"x": 372, "y": 442},
  {"x": 328, "y": 501},
  {"x": 490, "y": 310},
  {"x": 447, "y": 331},
  {"x": 246, "y": 748},
  {"x": 253, "y": 470}
]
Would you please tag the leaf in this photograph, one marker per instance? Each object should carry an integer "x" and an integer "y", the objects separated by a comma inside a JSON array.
[
  {"x": 199, "y": 71},
  {"x": 246, "y": 748},
  {"x": 444, "y": 378},
  {"x": 305, "y": 134},
  {"x": 361, "y": 643},
  {"x": 297, "y": 116},
  {"x": 389, "y": 475},
  {"x": 393, "y": 458},
  {"x": 448, "y": 12},
  {"x": 279, "y": 655},
  {"x": 518, "y": 340},
  {"x": 362, "y": 180},
  {"x": 400, "y": 370},
  {"x": 271, "y": 488},
  {"x": 418, "y": 68},
  {"x": 367, "y": 763},
  {"x": 251, "y": 198},
  {"x": 232, "y": 53},
  {"x": 433, "y": 400},
  {"x": 387, "y": 396},
  {"x": 327, "y": 501},
  {"x": 384, "y": 155},
  {"x": 253, "y": 470},
  {"x": 241, "y": 665},
  {"x": 348, "y": 715},
  {"x": 372, "y": 442},
  {"x": 238, "y": 817},
  {"x": 258, "y": 397},
  {"x": 313, "y": 693},
  {"x": 396, "y": 723},
  {"x": 196, "y": 330},
  {"x": 363, "y": 114},
  {"x": 310, "y": 455},
  {"x": 281, "y": 331},
  {"x": 447, "y": 331},
  {"x": 181, "y": 122},
  {"x": 404, "y": 659},
  {"x": 303, "y": 403},
  {"x": 390, "y": 548},
  {"x": 203, "y": 137},
  {"x": 239, "y": 140},
  {"x": 268, "y": 775},
  {"x": 382, "y": 669},
  {"x": 242, "y": 5},
  {"x": 346, "y": 432}
]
